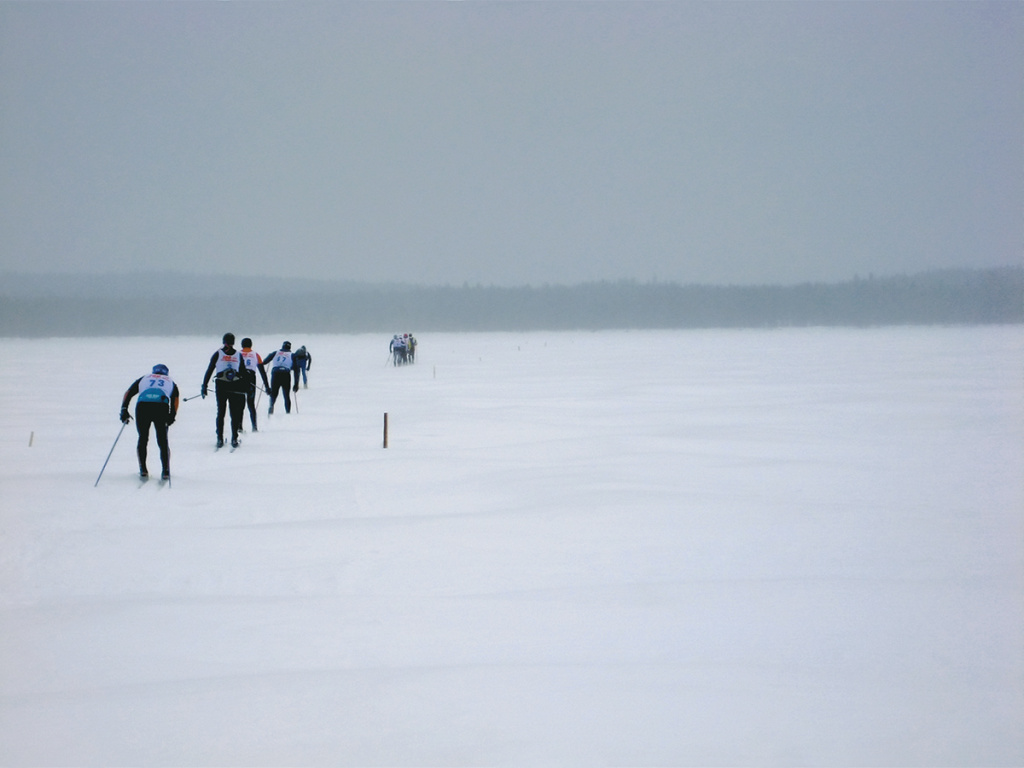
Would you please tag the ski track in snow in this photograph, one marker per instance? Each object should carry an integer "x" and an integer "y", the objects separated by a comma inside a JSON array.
[{"x": 783, "y": 547}]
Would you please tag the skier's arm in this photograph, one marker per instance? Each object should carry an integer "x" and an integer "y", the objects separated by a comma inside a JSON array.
[
  {"x": 131, "y": 392},
  {"x": 209, "y": 370},
  {"x": 263, "y": 372},
  {"x": 174, "y": 404}
]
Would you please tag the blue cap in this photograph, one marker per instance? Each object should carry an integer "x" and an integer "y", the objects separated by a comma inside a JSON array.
[{"x": 160, "y": 368}]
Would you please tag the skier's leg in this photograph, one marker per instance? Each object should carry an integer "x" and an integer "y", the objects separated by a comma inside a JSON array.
[
  {"x": 222, "y": 404},
  {"x": 142, "y": 424},
  {"x": 275, "y": 386},
  {"x": 250, "y": 404},
  {"x": 236, "y": 402},
  {"x": 160, "y": 427}
]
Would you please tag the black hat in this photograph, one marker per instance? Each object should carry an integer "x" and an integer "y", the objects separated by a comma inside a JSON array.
[
  {"x": 246, "y": 342},
  {"x": 229, "y": 338},
  {"x": 286, "y": 345}
]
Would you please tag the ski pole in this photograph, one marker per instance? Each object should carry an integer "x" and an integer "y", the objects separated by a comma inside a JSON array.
[
  {"x": 123, "y": 425},
  {"x": 192, "y": 398}
]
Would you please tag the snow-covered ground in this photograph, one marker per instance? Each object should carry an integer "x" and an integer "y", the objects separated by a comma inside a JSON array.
[{"x": 781, "y": 547}]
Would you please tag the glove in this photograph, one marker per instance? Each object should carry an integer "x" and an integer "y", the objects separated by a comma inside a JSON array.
[
  {"x": 124, "y": 416},
  {"x": 170, "y": 421},
  {"x": 295, "y": 388},
  {"x": 203, "y": 392}
]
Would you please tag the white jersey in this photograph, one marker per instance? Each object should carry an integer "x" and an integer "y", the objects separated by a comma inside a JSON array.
[
  {"x": 282, "y": 359},
  {"x": 251, "y": 360},
  {"x": 155, "y": 388},
  {"x": 227, "y": 365}
]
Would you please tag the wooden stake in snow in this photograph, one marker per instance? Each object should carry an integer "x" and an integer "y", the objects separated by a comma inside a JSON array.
[
  {"x": 385, "y": 430},
  {"x": 31, "y": 437}
]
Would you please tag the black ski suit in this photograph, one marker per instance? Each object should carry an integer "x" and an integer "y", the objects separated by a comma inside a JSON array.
[
  {"x": 231, "y": 386},
  {"x": 159, "y": 415},
  {"x": 282, "y": 365}
]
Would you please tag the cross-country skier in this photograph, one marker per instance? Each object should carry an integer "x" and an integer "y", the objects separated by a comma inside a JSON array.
[
  {"x": 305, "y": 363},
  {"x": 227, "y": 363},
  {"x": 282, "y": 364},
  {"x": 253, "y": 362},
  {"x": 157, "y": 406},
  {"x": 398, "y": 350}
]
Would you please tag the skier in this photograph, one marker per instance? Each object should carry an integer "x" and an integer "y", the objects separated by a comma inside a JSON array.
[
  {"x": 411, "y": 344},
  {"x": 398, "y": 351},
  {"x": 282, "y": 363},
  {"x": 157, "y": 406},
  {"x": 231, "y": 383},
  {"x": 253, "y": 362},
  {"x": 305, "y": 363}
]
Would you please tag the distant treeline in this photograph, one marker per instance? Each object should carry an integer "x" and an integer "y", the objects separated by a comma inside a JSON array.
[{"x": 942, "y": 297}]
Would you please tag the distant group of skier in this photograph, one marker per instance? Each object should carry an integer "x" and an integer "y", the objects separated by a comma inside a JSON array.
[
  {"x": 234, "y": 373},
  {"x": 403, "y": 349}
]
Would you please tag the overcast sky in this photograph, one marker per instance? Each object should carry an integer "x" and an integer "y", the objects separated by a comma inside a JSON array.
[{"x": 512, "y": 143}]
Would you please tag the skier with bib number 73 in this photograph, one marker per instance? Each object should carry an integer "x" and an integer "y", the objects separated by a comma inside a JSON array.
[{"x": 157, "y": 406}]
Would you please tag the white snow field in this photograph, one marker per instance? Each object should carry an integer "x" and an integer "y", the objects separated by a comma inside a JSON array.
[{"x": 718, "y": 548}]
